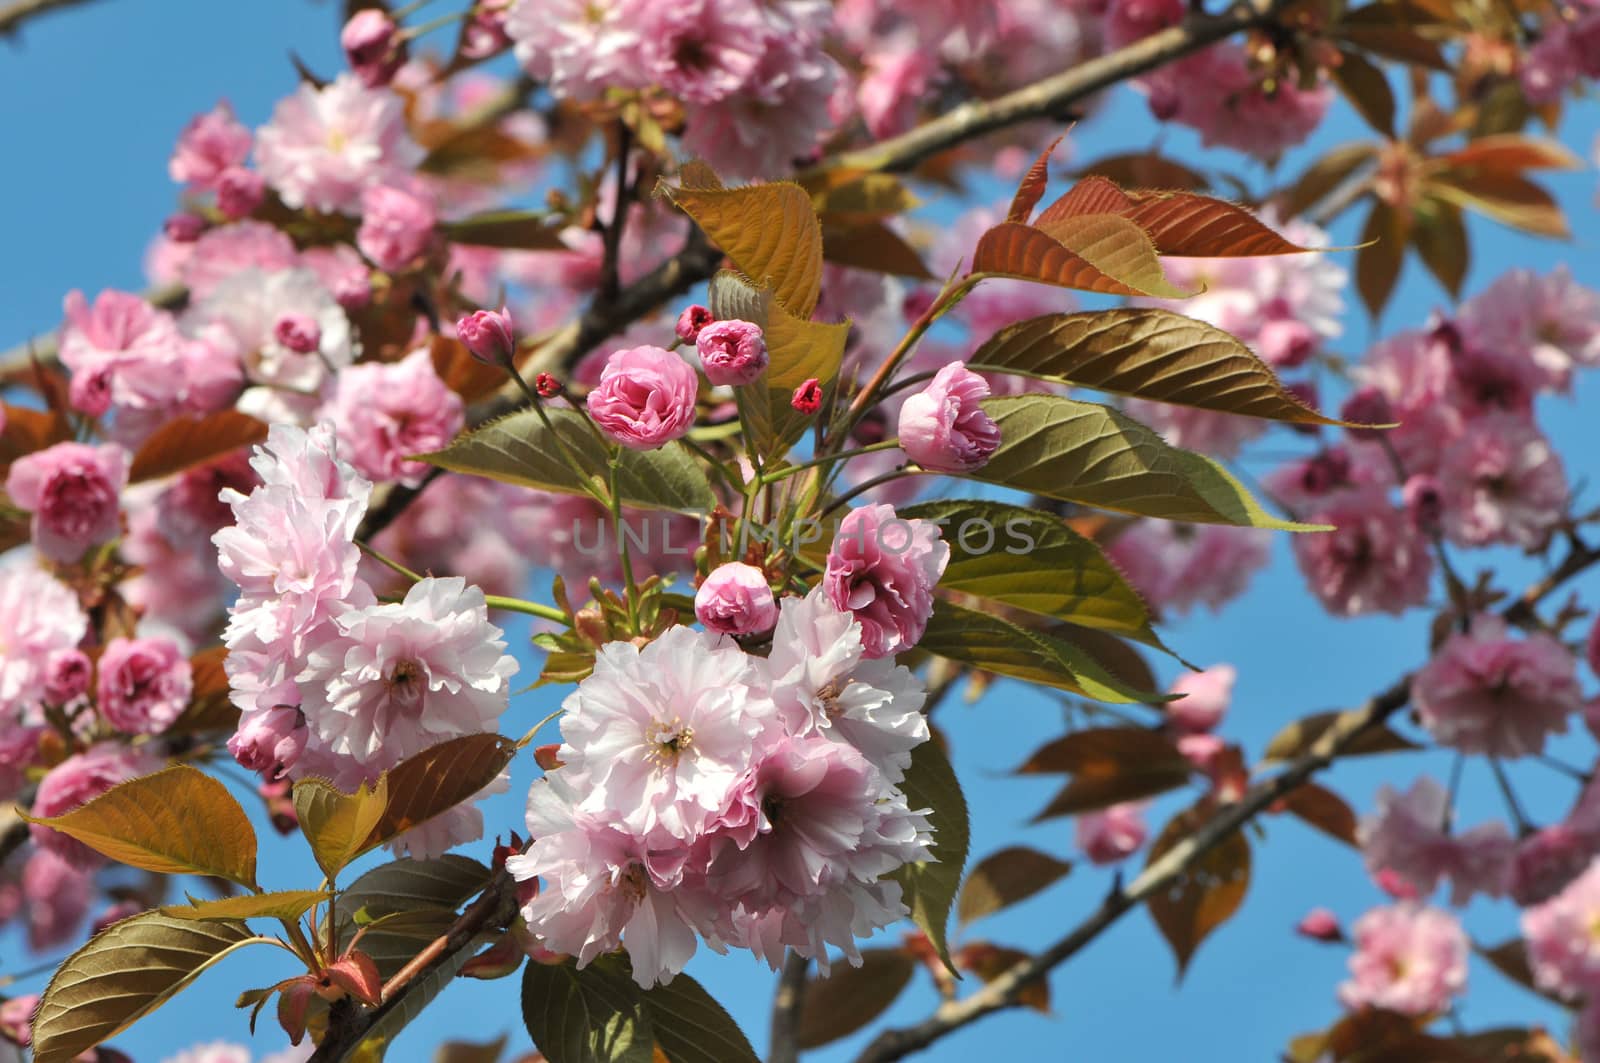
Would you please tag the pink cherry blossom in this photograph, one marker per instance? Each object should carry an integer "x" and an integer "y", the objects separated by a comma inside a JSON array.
[
  {"x": 943, "y": 428},
  {"x": 209, "y": 145},
  {"x": 39, "y": 618},
  {"x": 75, "y": 781},
  {"x": 229, "y": 249},
  {"x": 324, "y": 146},
  {"x": 1485, "y": 692},
  {"x": 701, "y": 51},
  {"x": 67, "y": 675},
  {"x": 57, "y": 892},
  {"x": 645, "y": 398},
  {"x": 1502, "y": 483},
  {"x": 883, "y": 569},
  {"x": 71, "y": 489},
  {"x": 389, "y": 680},
  {"x": 1408, "y": 959},
  {"x": 1177, "y": 567},
  {"x": 1114, "y": 834},
  {"x": 143, "y": 684},
  {"x": 580, "y": 47},
  {"x": 1549, "y": 321},
  {"x": 731, "y": 352},
  {"x": 777, "y": 117},
  {"x": 240, "y": 192},
  {"x": 1407, "y": 836},
  {"x": 1375, "y": 559},
  {"x": 897, "y": 82},
  {"x": 397, "y": 220},
  {"x": 123, "y": 352},
  {"x": 1548, "y": 859},
  {"x": 693, "y": 318},
  {"x": 387, "y": 412},
  {"x": 1205, "y": 701},
  {"x": 1563, "y": 950},
  {"x": 735, "y": 600}
]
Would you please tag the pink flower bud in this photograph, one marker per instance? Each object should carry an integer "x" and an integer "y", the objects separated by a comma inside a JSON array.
[
  {"x": 143, "y": 684},
  {"x": 691, "y": 321},
  {"x": 240, "y": 192},
  {"x": 1395, "y": 885},
  {"x": 1424, "y": 502},
  {"x": 645, "y": 398},
  {"x": 807, "y": 397},
  {"x": 1286, "y": 343},
  {"x": 735, "y": 600},
  {"x": 1206, "y": 699},
  {"x": 1113, "y": 835},
  {"x": 270, "y": 741},
  {"x": 67, "y": 675},
  {"x": 943, "y": 428},
  {"x": 485, "y": 32},
  {"x": 1366, "y": 406},
  {"x": 487, "y": 335},
  {"x": 298, "y": 332},
  {"x": 184, "y": 228},
  {"x": 90, "y": 390},
  {"x": 1319, "y": 924},
  {"x": 732, "y": 352},
  {"x": 371, "y": 45}
]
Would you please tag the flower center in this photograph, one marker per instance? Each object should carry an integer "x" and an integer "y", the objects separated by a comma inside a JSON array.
[
  {"x": 406, "y": 683},
  {"x": 666, "y": 739},
  {"x": 828, "y": 699}
]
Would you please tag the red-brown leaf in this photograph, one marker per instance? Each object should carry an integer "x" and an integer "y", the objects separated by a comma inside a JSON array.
[
  {"x": 1324, "y": 810},
  {"x": 1031, "y": 190},
  {"x": 1095, "y": 253},
  {"x": 189, "y": 441},
  {"x": 1205, "y": 896}
]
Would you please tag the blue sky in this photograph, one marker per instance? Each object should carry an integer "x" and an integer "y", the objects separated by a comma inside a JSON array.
[{"x": 90, "y": 102}]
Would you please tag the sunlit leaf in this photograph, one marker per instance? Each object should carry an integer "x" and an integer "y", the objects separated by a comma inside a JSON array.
[
  {"x": 1148, "y": 353},
  {"x": 1091, "y": 454},
  {"x": 1031, "y": 561},
  {"x": 930, "y": 886},
  {"x": 337, "y": 824},
  {"x": 284, "y": 904},
  {"x": 1032, "y": 187},
  {"x": 1207, "y": 894},
  {"x": 1011, "y": 875},
  {"x": 1095, "y": 253},
  {"x": 989, "y": 961},
  {"x": 848, "y": 199},
  {"x": 178, "y": 821},
  {"x": 1298, "y": 738},
  {"x": 1146, "y": 169},
  {"x": 1511, "y": 153},
  {"x": 125, "y": 972},
  {"x": 184, "y": 442},
  {"x": 438, "y": 779},
  {"x": 771, "y": 233},
  {"x": 994, "y": 644},
  {"x": 519, "y": 449},
  {"x": 850, "y": 997},
  {"x": 1508, "y": 198},
  {"x": 1182, "y": 224},
  {"x": 593, "y": 1015},
  {"x": 691, "y": 1027}
]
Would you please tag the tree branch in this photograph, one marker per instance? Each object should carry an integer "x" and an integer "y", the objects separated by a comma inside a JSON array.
[
  {"x": 786, "y": 1009},
  {"x": 1005, "y": 991},
  {"x": 14, "y": 15}
]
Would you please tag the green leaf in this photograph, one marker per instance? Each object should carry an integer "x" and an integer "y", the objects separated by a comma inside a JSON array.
[
  {"x": 1087, "y": 453},
  {"x": 1005, "y": 878},
  {"x": 400, "y": 1013},
  {"x": 1207, "y": 894},
  {"x": 125, "y": 972},
  {"x": 514, "y": 230},
  {"x": 1094, "y": 253},
  {"x": 439, "y": 887},
  {"x": 850, "y": 997},
  {"x": 283, "y": 904},
  {"x": 1032, "y": 561},
  {"x": 593, "y": 1015},
  {"x": 691, "y": 1027},
  {"x": 1108, "y": 765},
  {"x": 994, "y": 644},
  {"x": 436, "y": 780},
  {"x": 520, "y": 449},
  {"x": 1147, "y": 353},
  {"x": 337, "y": 824},
  {"x": 179, "y": 821},
  {"x": 771, "y": 233},
  {"x": 930, "y": 886}
]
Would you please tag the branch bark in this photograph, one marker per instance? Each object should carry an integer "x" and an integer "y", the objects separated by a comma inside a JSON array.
[
  {"x": 786, "y": 1003},
  {"x": 14, "y": 15},
  {"x": 1005, "y": 991}
]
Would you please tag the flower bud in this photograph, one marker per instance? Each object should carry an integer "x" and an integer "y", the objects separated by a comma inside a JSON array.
[
  {"x": 691, "y": 321},
  {"x": 735, "y": 600},
  {"x": 298, "y": 332},
  {"x": 548, "y": 757},
  {"x": 732, "y": 352},
  {"x": 67, "y": 676},
  {"x": 807, "y": 397},
  {"x": 943, "y": 428},
  {"x": 240, "y": 192},
  {"x": 371, "y": 43},
  {"x": 270, "y": 741},
  {"x": 184, "y": 228},
  {"x": 1205, "y": 701},
  {"x": 1319, "y": 924},
  {"x": 547, "y": 386},
  {"x": 487, "y": 335}
]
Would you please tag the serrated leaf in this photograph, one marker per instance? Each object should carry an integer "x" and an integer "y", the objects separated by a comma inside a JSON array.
[
  {"x": 1032, "y": 561},
  {"x": 1378, "y": 262},
  {"x": 930, "y": 886},
  {"x": 283, "y": 904},
  {"x": 438, "y": 887},
  {"x": 691, "y": 1027},
  {"x": 1367, "y": 89},
  {"x": 771, "y": 233},
  {"x": 513, "y": 230},
  {"x": 1440, "y": 237},
  {"x": 996, "y": 645},
  {"x": 125, "y": 972},
  {"x": 850, "y": 997},
  {"x": 184, "y": 442},
  {"x": 436, "y": 780},
  {"x": 1011, "y": 875},
  {"x": 1087, "y": 453},
  {"x": 593, "y": 1015},
  {"x": 337, "y": 824},
  {"x": 1508, "y": 198},
  {"x": 1095, "y": 253},
  {"x": 209, "y": 708},
  {"x": 1181, "y": 224},
  {"x": 1207, "y": 894},
  {"x": 1109, "y": 766},
  {"x": 1147, "y": 353},
  {"x": 519, "y": 449},
  {"x": 1031, "y": 189},
  {"x": 1323, "y": 809},
  {"x": 178, "y": 821},
  {"x": 1298, "y": 738}
]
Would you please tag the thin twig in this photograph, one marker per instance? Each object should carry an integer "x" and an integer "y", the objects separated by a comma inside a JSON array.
[{"x": 786, "y": 1003}]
